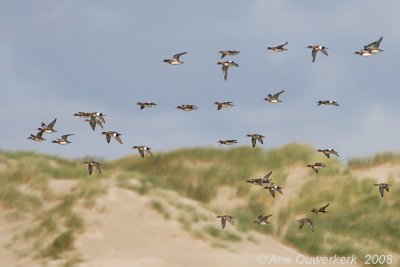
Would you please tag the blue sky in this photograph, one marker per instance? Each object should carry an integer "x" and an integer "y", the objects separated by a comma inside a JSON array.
[{"x": 60, "y": 57}]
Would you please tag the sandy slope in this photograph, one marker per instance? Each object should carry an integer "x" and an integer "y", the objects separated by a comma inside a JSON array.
[
  {"x": 130, "y": 234},
  {"x": 124, "y": 231}
]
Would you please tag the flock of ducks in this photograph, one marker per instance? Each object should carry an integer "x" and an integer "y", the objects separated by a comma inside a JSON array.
[{"x": 97, "y": 119}]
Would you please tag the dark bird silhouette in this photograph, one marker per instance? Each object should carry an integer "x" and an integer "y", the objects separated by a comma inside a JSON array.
[
  {"x": 279, "y": 48},
  {"x": 383, "y": 187},
  {"x": 175, "y": 60},
  {"x": 225, "y": 218},
  {"x": 321, "y": 210}
]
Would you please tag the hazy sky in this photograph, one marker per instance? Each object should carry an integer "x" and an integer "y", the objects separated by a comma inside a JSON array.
[{"x": 60, "y": 57}]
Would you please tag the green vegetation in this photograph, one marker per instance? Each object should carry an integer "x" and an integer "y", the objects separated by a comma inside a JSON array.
[
  {"x": 358, "y": 221},
  {"x": 25, "y": 194},
  {"x": 198, "y": 173},
  {"x": 378, "y": 159}
]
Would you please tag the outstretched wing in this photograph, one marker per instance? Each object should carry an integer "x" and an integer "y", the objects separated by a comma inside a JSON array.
[
  {"x": 279, "y": 190},
  {"x": 278, "y": 94},
  {"x": 98, "y": 167},
  {"x": 266, "y": 177},
  {"x": 310, "y": 225},
  {"x": 322, "y": 209},
  {"x": 65, "y": 136},
  {"x": 301, "y": 223},
  {"x": 90, "y": 168},
  {"x": 313, "y": 54},
  {"x": 177, "y": 56},
  {"x": 225, "y": 71},
  {"x": 141, "y": 152},
  {"x": 260, "y": 139},
  {"x": 118, "y": 139},
  {"x": 323, "y": 50},
  {"x": 51, "y": 124},
  {"x": 253, "y": 141},
  {"x": 223, "y": 222},
  {"x": 381, "y": 190},
  {"x": 272, "y": 191}
]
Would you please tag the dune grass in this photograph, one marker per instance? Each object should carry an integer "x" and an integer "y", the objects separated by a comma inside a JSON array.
[
  {"x": 198, "y": 173},
  {"x": 358, "y": 222},
  {"x": 378, "y": 159},
  {"x": 53, "y": 220}
]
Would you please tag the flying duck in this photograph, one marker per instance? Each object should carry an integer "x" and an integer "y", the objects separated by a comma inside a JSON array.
[
  {"x": 383, "y": 187},
  {"x": 92, "y": 164},
  {"x": 306, "y": 221},
  {"x": 48, "y": 128},
  {"x": 279, "y": 48},
  {"x": 227, "y": 142},
  {"x": 272, "y": 188},
  {"x": 98, "y": 115},
  {"x": 274, "y": 98},
  {"x": 228, "y": 53},
  {"x": 255, "y": 138},
  {"x": 315, "y": 49},
  {"x": 175, "y": 59},
  {"x": 37, "y": 138},
  {"x": 146, "y": 104},
  {"x": 187, "y": 107},
  {"x": 226, "y": 104},
  {"x": 329, "y": 151},
  {"x": 226, "y": 65},
  {"x": 327, "y": 103},
  {"x": 321, "y": 210},
  {"x": 316, "y": 166},
  {"x": 262, "y": 219},
  {"x": 63, "y": 140},
  {"x": 93, "y": 122},
  {"x": 82, "y": 114},
  {"x": 225, "y": 218},
  {"x": 142, "y": 150},
  {"x": 110, "y": 134}
]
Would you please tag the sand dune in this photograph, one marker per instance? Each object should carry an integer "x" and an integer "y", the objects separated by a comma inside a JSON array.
[
  {"x": 124, "y": 231},
  {"x": 129, "y": 233}
]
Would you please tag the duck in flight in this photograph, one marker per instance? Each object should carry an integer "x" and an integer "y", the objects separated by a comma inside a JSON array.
[
  {"x": 263, "y": 220},
  {"x": 49, "y": 128},
  {"x": 307, "y": 221},
  {"x": 315, "y": 49},
  {"x": 92, "y": 164},
  {"x": 110, "y": 134},
  {"x": 144, "y": 105},
  {"x": 255, "y": 138},
  {"x": 316, "y": 166},
  {"x": 274, "y": 98},
  {"x": 228, "y": 53},
  {"x": 321, "y": 210},
  {"x": 187, "y": 107},
  {"x": 37, "y": 138},
  {"x": 226, "y": 65},
  {"x": 279, "y": 48},
  {"x": 327, "y": 103},
  {"x": 63, "y": 140},
  {"x": 226, "y": 104},
  {"x": 225, "y": 218},
  {"x": 142, "y": 150},
  {"x": 175, "y": 60},
  {"x": 383, "y": 187},
  {"x": 327, "y": 152}
]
